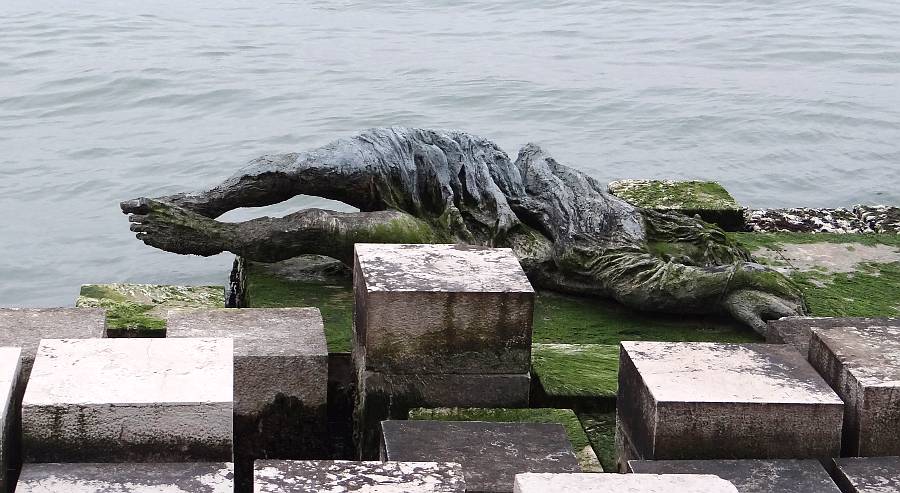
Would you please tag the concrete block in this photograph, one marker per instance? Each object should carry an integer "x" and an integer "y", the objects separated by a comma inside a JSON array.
[
  {"x": 621, "y": 483},
  {"x": 491, "y": 454},
  {"x": 862, "y": 364},
  {"x": 25, "y": 327},
  {"x": 717, "y": 401},
  {"x": 129, "y": 400},
  {"x": 797, "y": 331},
  {"x": 188, "y": 477},
  {"x": 868, "y": 474},
  {"x": 707, "y": 199},
  {"x": 441, "y": 309},
  {"x": 750, "y": 475},
  {"x": 381, "y": 396},
  {"x": 292, "y": 476},
  {"x": 10, "y": 363}
]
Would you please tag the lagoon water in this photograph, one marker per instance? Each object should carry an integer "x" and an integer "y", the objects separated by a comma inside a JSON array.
[{"x": 786, "y": 102}]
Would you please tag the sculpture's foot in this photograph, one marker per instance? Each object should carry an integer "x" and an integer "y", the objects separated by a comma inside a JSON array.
[
  {"x": 175, "y": 229},
  {"x": 754, "y": 308}
]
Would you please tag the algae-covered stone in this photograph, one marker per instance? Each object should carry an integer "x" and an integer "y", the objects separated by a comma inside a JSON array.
[
  {"x": 186, "y": 477},
  {"x": 707, "y": 199},
  {"x": 576, "y": 376},
  {"x": 441, "y": 309},
  {"x": 491, "y": 454},
  {"x": 566, "y": 417},
  {"x": 621, "y": 483},
  {"x": 749, "y": 475},
  {"x": 139, "y": 310},
  {"x": 600, "y": 429},
  {"x": 318, "y": 476}
]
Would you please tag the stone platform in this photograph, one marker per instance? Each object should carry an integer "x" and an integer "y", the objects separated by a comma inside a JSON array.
[
  {"x": 25, "y": 327},
  {"x": 797, "y": 331},
  {"x": 862, "y": 364},
  {"x": 284, "y": 476},
  {"x": 188, "y": 477},
  {"x": 707, "y": 199},
  {"x": 868, "y": 474},
  {"x": 715, "y": 401},
  {"x": 129, "y": 400},
  {"x": 491, "y": 454},
  {"x": 621, "y": 483},
  {"x": 750, "y": 476},
  {"x": 10, "y": 362},
  {"x": 441, "y": 309}
]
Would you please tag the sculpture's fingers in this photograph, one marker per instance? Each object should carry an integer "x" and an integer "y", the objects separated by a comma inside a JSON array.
[
  {"x": 138, "y": 218},
  {"x": 136, "y": 206},
  {"x": 138, "y": 227}
]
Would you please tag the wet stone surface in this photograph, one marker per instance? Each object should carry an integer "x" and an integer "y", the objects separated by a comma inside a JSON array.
[
  {"x": 868, "y": 474},
  {"x": 797, "y": 331},
  {"x": 491, "y": 454},
  {"x": 190, "y": 477},
  {"x": 283, "y": 476},
  {"x": 716, "y": 401},
  {"x": 862, "y": 363},
  {"x": 441, "y": 309},
  {"x": 129, "y": 400},
  {"x": 750, "y": 476},
  {"x": 25, "y": 327},
  {"x": 10, "y": 359},
  {"x": 622, "y": 483},
  {"x": 859, "y": 219}
]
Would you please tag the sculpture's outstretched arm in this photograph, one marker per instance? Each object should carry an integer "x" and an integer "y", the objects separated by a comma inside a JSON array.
[{"x": 311, "y": 231}]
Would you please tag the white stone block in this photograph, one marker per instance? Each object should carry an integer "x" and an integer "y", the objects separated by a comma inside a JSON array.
[
  {"x": 621, "y": 483},
  {"x": 295, "y": 476},
  {"x": 129, "y": 400},
  {"x": 10, "y": 364},
  {"x": 188, "y": 477}
]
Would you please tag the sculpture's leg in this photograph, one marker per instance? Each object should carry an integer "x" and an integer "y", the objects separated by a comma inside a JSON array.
[{"x": 311, "y": 231}]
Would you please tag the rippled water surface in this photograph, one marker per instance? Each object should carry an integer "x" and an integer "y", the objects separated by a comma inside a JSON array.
[{"x": 785, "y": 102}]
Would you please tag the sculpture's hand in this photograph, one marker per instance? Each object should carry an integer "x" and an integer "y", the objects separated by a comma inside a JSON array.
[{"x": 175, "y": 229}]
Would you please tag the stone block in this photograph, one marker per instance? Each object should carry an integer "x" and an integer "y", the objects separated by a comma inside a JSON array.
[
  {"x": 187, "y": 477},
  {"x": 868, "y": 474},
  {"x": 718, "y": 401},
  {"x": 383, "y": 396},
  {"x": 441, "y": 309},
  {"x": 621, "y": 483},
  {"x": 292, "y": 476},
  {"x": 797, "y": 331},
  {"x": 10, "y": 362},
  {"x": 491, "y": 454},
  {"x": 707, "y": 199},
  {"x": 583, "y": 377},
  {"x": 139, "y": 310},
  {"x": 129, "y": 400},
  {"x": 750, "y": 475},
  {"x": 862, "y": 364},
  {"x": 25, "y": 327}
]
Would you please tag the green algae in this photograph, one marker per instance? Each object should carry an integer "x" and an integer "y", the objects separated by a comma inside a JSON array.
[
  {"x": 601, "y": 431},
  {"x": 776, "y": 241},
  {"x": 581, "y": 376},
  {"x": 566, "y": 417},
  {"x": 667, "y": 194}
]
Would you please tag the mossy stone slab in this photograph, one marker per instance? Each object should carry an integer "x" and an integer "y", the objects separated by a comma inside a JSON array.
[
  {"x": 707, "y": 199},
  {"x": 587, "y": 458},
  {"x": 600, "y": 429},
  {"x": 139, "y": 310},
  {"x": 583, "y": 377}
]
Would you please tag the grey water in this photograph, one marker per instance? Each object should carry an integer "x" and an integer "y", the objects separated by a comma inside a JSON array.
[{"x": 786, "y": 102}]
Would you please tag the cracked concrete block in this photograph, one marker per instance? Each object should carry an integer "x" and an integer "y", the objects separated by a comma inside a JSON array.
[
  {"x": 724, "y": 401},
  {"x": 280, "y": 373},
  {"x": 441, "y": 309},
  {"x": 25, "y": 327},
  {"x": 491, "y": 454},
  {"x": 862, "y": 364},
  {"x": 750, "y": 475},
  {"x": 10, "y": 364},
  {"x": 292, "y": 476},
  {"x": 868, "y": 474},
  {"x": 129, "y": 400},
  {"x": 187, "y": 477},
  {"x": 621, "y": 483},
  {"x": 797, "y": 331}
]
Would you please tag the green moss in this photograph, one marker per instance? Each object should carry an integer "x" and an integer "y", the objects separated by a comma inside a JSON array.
[
  {"x": 334, "y": 301},
  {"x": 565, "y": 417},
  {"x": 100, "y": 292},
  {"x": 601, "y": 431},
  {"x": 589, "y": 370},
  {"x": 666, "y": 194},
  {"x": 775, "y": 241},
  {"x": 873, "y": 291}
]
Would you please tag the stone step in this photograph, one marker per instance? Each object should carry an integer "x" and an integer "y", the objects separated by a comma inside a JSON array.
[
  {"x": 707, "y": 199},
  {"x": 491, "y": 454},
  {"x": 868, "y": 474},
  {"x": 10, "y": 363},
  {"x": 723, "y": 401},
  {"x": 295, "y": 476},
  {"x": 188, "y": 477},
  {"x": 797, "y": 331},
  {"x": 749, "y": 475},
  {"x": 862, "y": 364},
  {"x": 129, "y": 400},
  {"x": 621, "y": 483}
]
